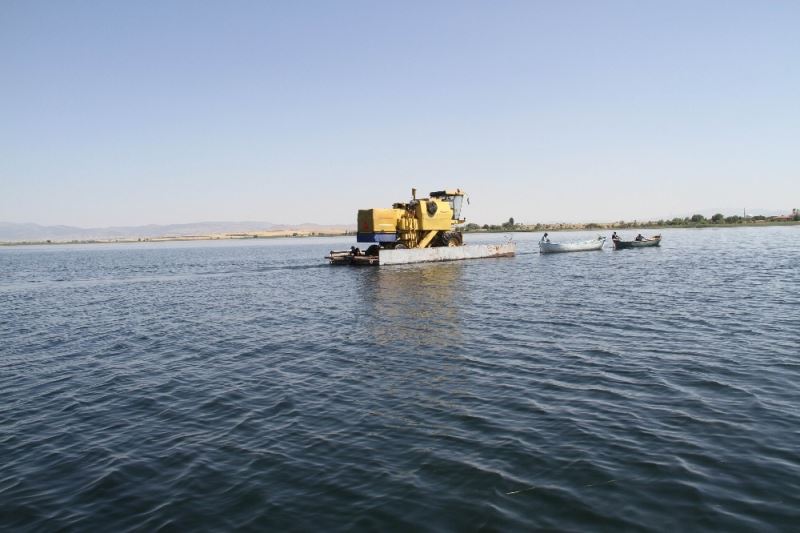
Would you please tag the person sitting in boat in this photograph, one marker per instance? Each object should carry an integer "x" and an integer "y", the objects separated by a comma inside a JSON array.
[
  {"x": 354, "y": 251},
  {"x": 640, "y": 237},
  {"x": 544, "y": 238}
]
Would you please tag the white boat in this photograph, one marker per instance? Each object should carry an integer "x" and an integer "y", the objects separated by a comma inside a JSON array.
[{"x": 581, "y": 246}]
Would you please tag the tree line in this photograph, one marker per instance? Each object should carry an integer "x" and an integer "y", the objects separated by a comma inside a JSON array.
[{"x": 692, "y": 221}]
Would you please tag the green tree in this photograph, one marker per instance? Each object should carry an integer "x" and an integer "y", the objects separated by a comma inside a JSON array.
[
  {"x": 717, "y": 218},
  {"x": 697, "y": 218},
  {"x": 733, "y": 219}
]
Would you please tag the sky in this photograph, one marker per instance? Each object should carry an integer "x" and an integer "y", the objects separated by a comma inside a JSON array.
[{"x": 128, "y": 113}]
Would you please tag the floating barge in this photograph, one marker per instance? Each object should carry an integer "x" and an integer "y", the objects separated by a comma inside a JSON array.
[
  {"x": 422, "y": 230},
  {"x": 385, "y": 256}
]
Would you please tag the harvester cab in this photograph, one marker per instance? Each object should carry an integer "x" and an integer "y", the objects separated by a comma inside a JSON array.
[
  {"x": 419, "y": 223},
  {"x": 455, "y": 198}
]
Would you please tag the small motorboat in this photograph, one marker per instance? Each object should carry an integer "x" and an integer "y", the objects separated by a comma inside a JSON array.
[
  {"x": 581, "y": 246},
  {"x": 619, "y": 244}
]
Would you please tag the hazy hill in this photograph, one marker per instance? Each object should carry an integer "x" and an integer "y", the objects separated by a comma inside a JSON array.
[{"x": 14, "y": 232}]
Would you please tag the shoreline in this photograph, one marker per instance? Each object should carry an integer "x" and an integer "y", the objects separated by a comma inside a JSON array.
[
  {"x": 518, "y": 228},
  {"x": 556, "y": 227}
]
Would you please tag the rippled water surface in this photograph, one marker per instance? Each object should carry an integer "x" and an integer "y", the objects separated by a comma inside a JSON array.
[{"x": 247, "y": 384}]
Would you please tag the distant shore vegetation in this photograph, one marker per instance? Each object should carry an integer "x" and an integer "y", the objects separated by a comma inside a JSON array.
[{"x": 694, "y": 221}]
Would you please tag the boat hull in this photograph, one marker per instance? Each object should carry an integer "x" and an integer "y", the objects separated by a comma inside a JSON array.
[
  {"x": 583, "y": 246},
  {"x": 623, "y": 245},
  {"x": 425, "y": 255}
]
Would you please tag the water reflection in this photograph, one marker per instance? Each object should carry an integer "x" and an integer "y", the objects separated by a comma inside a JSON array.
[
  {"x": 416, "y": 323},
  {"x": 414, "y": 304}
]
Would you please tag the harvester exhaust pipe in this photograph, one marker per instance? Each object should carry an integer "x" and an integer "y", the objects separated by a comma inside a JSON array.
[{"x": 413, "y": 194}]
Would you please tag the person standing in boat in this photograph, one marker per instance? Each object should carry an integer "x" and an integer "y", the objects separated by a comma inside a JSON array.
[
  {"x": 640, "y": 237},
  {"x": 544, "y": 238},
  {"x": 614, "y": 236}
]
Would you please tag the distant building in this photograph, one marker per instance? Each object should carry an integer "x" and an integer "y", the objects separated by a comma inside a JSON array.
[{"x": 784, "y": 218}]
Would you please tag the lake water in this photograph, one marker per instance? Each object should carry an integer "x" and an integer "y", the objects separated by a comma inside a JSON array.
[{"x": 247, "y": 384}]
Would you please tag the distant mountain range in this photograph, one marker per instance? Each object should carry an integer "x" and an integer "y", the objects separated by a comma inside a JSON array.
[{"x": 14, "y": 232}]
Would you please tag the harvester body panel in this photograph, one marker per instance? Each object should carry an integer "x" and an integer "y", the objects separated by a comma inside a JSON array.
[
  {"x": 378, "y": 224},
  {"x": 434, "y": 214}
]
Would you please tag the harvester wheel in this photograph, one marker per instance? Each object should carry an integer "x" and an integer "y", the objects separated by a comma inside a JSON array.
[
  {"x": 449, "y": 238},
  {"x": 400, "y": 246}
]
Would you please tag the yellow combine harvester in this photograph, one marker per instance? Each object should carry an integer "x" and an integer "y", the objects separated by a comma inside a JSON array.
[
  {"x": 420, "y": 223},
  {"x": 420, "y": 230}
]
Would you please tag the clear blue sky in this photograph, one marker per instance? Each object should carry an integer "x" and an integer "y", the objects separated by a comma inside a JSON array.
[{"x": 117, "y": 113}]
